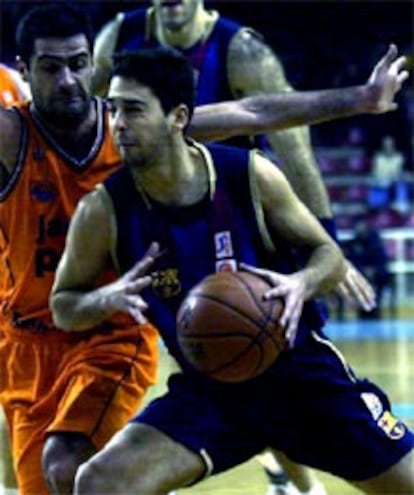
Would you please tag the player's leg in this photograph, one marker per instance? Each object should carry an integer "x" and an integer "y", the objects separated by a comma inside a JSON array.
[
  {"x": 101, "y": 386},
  {"x": 397, "y": 480},
  {"x": 8, "y": 479},
  {"x": 363, "y": 442},
  {"x": 144, "y": 460},
  {"x": 289, "y": 478},
  {"x": 62, "y": 454}
]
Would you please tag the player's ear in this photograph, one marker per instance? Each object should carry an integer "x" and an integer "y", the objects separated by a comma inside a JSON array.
[
  {"x": 179, "y": 118},
  {"x": 22, "y": 68}
]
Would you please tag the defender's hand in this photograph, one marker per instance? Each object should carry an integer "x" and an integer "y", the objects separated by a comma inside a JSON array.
[{"x": 386, "y": 80}]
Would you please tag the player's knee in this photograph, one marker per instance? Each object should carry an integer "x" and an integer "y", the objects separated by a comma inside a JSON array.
[
  {"x": 90, "y": 478},
  {"x": 59, "y": 475},
  {"x": 61, "y": 457}
]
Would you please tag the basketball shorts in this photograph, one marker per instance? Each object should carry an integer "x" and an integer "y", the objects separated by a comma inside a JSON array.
[
  {"x": 71, "y": 382},
  {"x": 309, "y": 405}
]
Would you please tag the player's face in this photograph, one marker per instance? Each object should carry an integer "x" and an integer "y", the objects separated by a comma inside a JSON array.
[
  {"x": 60, "y": 79},
  {"x": 175, "y": 14},
  {"x": 140, "y": 128}
]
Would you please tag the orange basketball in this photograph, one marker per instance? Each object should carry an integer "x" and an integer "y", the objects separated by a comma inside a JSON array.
[{"x": 227, "y": 331}]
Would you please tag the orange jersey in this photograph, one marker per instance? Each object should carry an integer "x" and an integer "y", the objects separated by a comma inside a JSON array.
[
  {"x": 89, "y": 383},
  {"x": 35, "y": 208},
  {"x": 9, "y": 91}
]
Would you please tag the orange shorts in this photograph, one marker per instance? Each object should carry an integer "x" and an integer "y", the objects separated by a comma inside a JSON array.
[{"x": 74, "y": 382}]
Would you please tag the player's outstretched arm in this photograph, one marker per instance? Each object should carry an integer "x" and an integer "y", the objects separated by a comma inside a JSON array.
[{"x": 275, "y": 111}]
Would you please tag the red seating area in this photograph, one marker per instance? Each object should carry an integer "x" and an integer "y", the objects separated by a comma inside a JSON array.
[{"x": 346, "y": 171}]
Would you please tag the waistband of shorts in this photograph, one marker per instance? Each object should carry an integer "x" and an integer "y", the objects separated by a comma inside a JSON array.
[{"x": 31, "y": 329}]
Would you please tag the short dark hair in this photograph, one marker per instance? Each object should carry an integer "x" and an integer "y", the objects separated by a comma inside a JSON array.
[
  {"x": 51, "y": 21},
  {"x": 164, "y": 70}
]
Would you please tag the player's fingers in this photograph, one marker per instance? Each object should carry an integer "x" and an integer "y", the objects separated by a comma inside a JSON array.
[
  {"x": 398, "y": 64},
  {"x": 365, "y": 298},
  {"x": 138, "y": 284},
  {"x": 135, "y": 307},
  {"x": 343, "y": 291},
  {"x": 252, "y": 269},
  {"x": 144, "y": 264},
  {"x": 139, "y": 317},
  {"x": 389, "y": 56},
  {"x": 402, "y": 76},
  {"x": 290, "y": 319},
  {"x": 265, "y": 274}
]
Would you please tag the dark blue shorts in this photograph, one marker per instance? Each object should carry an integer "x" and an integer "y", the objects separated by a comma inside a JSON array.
[{"x": 310, "y": 405}]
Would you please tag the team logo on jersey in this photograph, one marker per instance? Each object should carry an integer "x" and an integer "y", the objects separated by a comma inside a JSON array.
[
  {"x": 165, "y": 283},
  {"x": 43, "y": 191},
  {"x": 223, "y": 244},
  {"x": 392, "y": 426},
  {"x": 373, "y": 403}
]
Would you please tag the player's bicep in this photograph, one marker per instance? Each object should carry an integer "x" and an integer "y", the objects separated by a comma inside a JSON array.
[
  {"x": 253, "y": 67},
  {"x": 87, "y": 250},
  {"x": 285, "y": 214},
  {"x": 103, "y": 49}
]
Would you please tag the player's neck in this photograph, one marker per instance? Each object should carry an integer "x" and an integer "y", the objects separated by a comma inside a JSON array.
[
  {"x": 190, "y": 34},
  {"x": 76, "y": 139},
  {"x": 182, "y": 180},
  {"x": 59, "y": 130}
]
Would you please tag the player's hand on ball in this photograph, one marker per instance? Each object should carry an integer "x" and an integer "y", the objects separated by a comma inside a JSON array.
[
  {"x": 124, "y": 294},
  {"x": 292, "y": 288}
]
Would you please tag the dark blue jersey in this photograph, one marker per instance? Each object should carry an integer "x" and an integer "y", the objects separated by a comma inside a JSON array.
[
  {"x": 208, "y": 57},
  {"x": 217, "y": 233}
]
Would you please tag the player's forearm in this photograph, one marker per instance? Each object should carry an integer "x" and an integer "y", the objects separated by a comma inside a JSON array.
[
  {"x": 298, "y": 162},
  {"x": 324, "y": 270},
  {"x": 281, "y": 111},
  {"x": 76, "y": 311},
  {"x": 275, "y": 111}
]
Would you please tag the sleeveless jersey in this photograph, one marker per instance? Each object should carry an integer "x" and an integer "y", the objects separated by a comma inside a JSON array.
[
  {"x": 208, "y": 57},
  {"x": 225, "y": 228},
  {"x": 9, "y": 92},
  {"x": 35, "y": 207}
]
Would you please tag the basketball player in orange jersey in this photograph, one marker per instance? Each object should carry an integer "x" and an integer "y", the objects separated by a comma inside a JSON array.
[
  {"x": 65, "y": 395},
  {"x": 182, "y": 210}
]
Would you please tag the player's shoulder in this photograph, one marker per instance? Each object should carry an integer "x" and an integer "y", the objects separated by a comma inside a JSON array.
[
  {"x": 93, "y": 205},
  {"x": 265, "y": 169},
  {"x": 108, "y": 34},
  {"x": 248, "y": 41}
]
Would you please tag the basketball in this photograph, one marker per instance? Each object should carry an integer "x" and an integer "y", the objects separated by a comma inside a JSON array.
[{"x": 227, "y": 331}]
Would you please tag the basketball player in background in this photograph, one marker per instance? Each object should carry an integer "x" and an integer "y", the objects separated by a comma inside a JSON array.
[
  {"x": 162, "y": 214},
  {"x": 54, "y": 150}
]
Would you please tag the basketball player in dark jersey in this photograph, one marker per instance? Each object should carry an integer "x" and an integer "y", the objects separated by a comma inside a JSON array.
[
  {"x": 168, "y": 212},
  {"x": 229, "y": 61}
]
